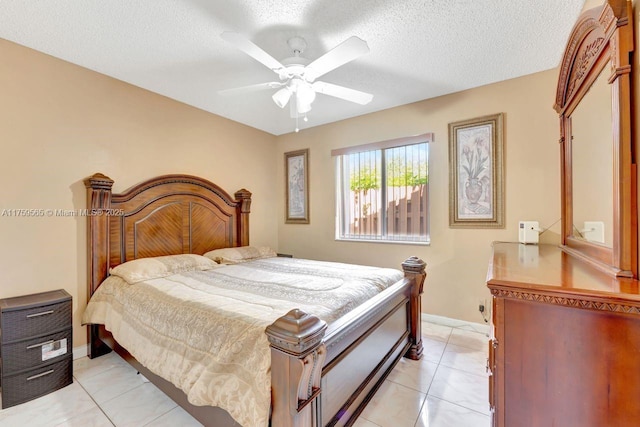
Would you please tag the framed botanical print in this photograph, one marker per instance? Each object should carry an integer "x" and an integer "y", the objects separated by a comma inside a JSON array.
[
  {"x": 297, "y": 186},
  {"x": 476, "y": 173}
]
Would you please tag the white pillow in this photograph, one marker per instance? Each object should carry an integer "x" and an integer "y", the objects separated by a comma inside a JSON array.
[
  {"x": 240, "y": 254},
  {"x": 141, "y": 269}
]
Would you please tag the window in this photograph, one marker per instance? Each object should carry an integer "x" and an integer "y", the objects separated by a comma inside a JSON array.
[{"x": 383, "y": 191}]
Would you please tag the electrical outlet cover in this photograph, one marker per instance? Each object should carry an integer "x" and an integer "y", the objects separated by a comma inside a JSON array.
[{"x": 594, "y": 231}]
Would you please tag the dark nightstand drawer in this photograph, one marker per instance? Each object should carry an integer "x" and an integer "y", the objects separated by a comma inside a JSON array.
[
  {"x": 35, "y": 359},
  {"x": 27, "y": 354},
  {"x": 23, "y": 387},
  {"x": 20, "y": 322}
]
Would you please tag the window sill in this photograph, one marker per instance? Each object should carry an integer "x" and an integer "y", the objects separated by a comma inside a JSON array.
[{"x": 393, "y": 242}]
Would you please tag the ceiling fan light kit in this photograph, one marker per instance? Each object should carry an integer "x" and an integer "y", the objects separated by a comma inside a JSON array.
[
  {"x": 298, "y": 75},
  {"x": 282, "y": 96},
  {"x": 305, "y": 95}
]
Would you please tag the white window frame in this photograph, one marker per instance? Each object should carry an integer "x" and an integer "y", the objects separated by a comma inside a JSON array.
[{"x": 339, "y": 186}]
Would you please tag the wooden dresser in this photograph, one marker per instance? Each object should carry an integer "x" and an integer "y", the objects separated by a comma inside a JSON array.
[{"x": 565, "y": 345}]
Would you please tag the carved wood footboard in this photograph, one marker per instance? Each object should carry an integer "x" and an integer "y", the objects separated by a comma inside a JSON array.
[{"x": 320, "y": 374}]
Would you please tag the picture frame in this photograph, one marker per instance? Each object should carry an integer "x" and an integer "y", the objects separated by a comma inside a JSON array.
[
  {"x": 297, "y": 186},
  {"x": 476, "y": 173}
]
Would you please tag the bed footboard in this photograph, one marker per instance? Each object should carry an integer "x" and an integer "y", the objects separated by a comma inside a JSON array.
[
  {"x": 297, "y": 357},
  {"x": 346, "y": 362}
]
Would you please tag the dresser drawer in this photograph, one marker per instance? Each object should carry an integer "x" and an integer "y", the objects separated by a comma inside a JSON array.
[
  {"x": 22, "y": 387},
  {"x": 27, "y": 354},
  {"x": 35, "y": 321}
]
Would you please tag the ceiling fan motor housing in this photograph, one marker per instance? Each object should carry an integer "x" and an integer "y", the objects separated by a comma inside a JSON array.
[{"x": 297, "y": 44}]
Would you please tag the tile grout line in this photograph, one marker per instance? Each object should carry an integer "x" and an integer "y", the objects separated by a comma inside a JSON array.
[
  {"x": 160, "y": 416},
  {"x": 128, "y": 391},
  {"x": 426, "y": 395},
  {"x": 375, "y": 424},
  {"x": 97, "y": 373},
  {"x": 465, "y": 372},
  {"x": 94, "y": 401},
  {"x": 455, "y": 369},
  {"x": 460, "y": 406},
  {"x": 454, "y": 403}
]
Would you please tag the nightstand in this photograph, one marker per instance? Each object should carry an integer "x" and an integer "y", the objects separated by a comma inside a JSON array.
[{"x": 35, "y": 345}]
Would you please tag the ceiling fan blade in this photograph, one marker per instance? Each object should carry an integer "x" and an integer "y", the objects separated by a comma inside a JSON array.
[
  {"x": 251, "y": 88},
  {"x": 342, "y": 92},
  {"x": 346, "y": 51},
  {"x": 251, "y": 49}
]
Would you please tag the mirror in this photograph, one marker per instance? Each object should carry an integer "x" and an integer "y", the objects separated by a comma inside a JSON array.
[
  {"x": 592, "y": 163},
  {"x": 593, "y": 99}
]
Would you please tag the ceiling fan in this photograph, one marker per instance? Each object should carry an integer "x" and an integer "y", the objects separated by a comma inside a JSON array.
[{"x": 297, "y": 75}]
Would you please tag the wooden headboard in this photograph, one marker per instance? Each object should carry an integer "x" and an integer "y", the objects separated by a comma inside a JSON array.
[{"x": 167, "y": 215}]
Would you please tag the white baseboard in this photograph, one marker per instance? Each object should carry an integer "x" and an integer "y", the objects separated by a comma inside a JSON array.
[
  {"x": 80, "y": 352},
  {"x": 455, "y": 323}
]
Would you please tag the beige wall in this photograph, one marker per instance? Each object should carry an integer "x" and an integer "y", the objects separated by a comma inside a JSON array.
[
  {"x": 457, "y": 258},
  {"x": 60, "y": 123}
]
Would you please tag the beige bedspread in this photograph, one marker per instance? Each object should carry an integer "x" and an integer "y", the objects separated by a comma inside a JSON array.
[{"x": 204, "y": 330}]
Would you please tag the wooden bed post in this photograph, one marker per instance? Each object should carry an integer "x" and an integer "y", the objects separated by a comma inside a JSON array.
[
  {"x": 98, "y": 200},
  {"x": 297, "y": 356},
  {"x": 244, "y": 196},
  {"x": 414, "y": 268}
]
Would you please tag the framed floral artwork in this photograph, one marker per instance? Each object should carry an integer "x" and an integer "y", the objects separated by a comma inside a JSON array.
[
  {"x": 297, "y": 186},
  {"x": 476, "y": 173}
]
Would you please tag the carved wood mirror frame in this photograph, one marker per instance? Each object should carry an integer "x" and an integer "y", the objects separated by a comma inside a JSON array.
[{"x": 601, "y": 42}]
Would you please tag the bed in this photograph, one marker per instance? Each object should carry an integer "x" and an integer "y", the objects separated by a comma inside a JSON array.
[{"x": 320, "y": 374}]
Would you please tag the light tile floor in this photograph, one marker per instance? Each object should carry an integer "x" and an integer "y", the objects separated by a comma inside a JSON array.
[{"x": 447, "y": 388}]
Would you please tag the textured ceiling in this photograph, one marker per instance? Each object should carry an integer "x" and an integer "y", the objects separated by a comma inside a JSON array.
[{"x": 419, "y": 48}]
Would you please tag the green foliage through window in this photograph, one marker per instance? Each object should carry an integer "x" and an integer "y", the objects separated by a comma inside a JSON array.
[
  {"x": 364, "y": 179},
  {"x": 383, "y": 194},
  {"x": 399, "y": 174}
]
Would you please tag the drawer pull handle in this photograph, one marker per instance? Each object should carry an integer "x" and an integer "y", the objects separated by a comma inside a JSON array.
[
  {"x": 39, "y": 314},
  {"x": 39, "y": 345},
  {"x": 33, "y": 377}
]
